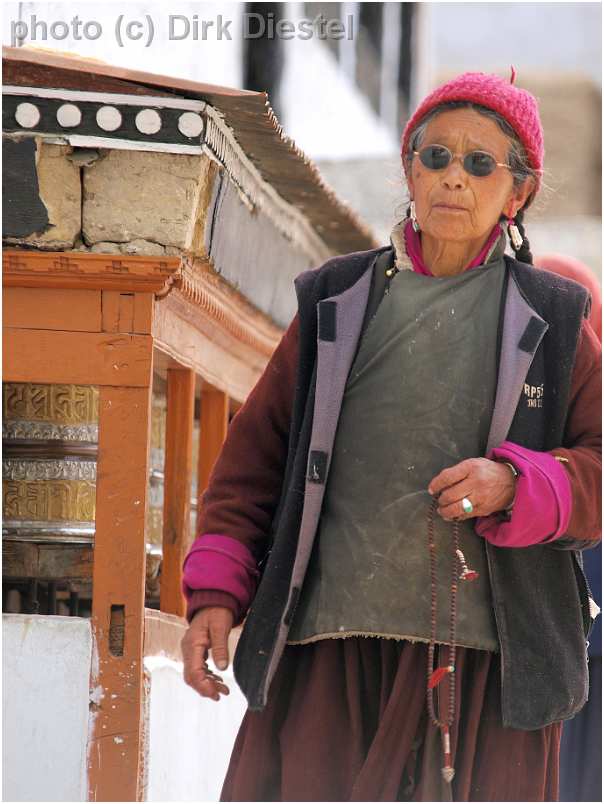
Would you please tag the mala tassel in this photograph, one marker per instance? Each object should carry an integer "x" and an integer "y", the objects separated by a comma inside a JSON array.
[
  {"x": 466, "y": 573},
  {"x": 437, "y": 676},
  {"x": 448, "y": 771}
]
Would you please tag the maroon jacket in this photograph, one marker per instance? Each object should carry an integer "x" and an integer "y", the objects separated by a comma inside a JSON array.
[{"x": 261, "y": 427}]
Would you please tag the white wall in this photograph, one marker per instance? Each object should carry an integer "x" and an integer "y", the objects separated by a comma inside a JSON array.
[
  {"x": 190, "y": 738},
  {"x": 536, "y": 37},
  {"x": 208, "y": 61},
  {"x": 45, "y": 673},
  {"x": 323, "y": 110}
]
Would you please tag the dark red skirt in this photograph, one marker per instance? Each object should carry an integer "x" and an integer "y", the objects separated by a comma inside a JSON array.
[{"x": 346, "y": 720}]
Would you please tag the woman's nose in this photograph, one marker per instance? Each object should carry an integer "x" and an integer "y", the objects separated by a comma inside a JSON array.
[{"x": 454, "y": 177}]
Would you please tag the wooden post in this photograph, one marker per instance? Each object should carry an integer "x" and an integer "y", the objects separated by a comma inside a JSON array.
[
  {"x": 118, "y": 600},
  {"x": 178, "y": 470},
  {"x": 213, "y": 425}
]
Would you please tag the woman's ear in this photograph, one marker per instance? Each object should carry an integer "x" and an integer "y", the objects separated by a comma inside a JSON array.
[{"x": 519, "y": 197}]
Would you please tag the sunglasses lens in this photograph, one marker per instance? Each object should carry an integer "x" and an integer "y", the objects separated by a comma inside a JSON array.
[
  {"x": 435, "y": 157},
  {"x": 479, "y": 163}
]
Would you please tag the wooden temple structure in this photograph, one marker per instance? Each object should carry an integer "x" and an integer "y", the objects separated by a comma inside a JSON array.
[{"x": 152, "y": 230}]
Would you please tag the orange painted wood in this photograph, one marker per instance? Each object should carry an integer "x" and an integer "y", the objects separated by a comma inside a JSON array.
[
  {"x": 47, "y": 308},
  {"x": 118, "y": 311},
  {"x": 178, "y": 468},
  {"x": 144, "y": 305},
  {"x": 86, "y": 270},
  {"x": 186, "y": 335},
  {"x": 115, "y": 746},
  {"x": 213, "y": 424},
  {"x": 111, "y": 310},
  {"x": 31, "y": 355},
  {"x": 126, "y": 313}
]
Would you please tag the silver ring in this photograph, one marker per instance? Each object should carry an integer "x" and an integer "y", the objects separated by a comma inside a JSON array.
[{"x": 467, "y": 506}]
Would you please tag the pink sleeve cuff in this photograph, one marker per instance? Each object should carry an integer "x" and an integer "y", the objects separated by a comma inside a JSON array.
[
  {"x": 223, "y": 564},
  {"x": 543, "y": 502}
]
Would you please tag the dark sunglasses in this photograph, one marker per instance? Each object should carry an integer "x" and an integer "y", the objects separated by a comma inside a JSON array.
[{"x": 476, "y": 163}]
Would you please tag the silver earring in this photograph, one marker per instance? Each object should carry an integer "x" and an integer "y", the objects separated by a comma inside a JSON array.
[
  {"x": 515, "y": 236},
  {"x": 413, "y": 217}
]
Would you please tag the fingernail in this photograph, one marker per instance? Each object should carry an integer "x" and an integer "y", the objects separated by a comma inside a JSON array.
[{"x": 222, "y": 664}]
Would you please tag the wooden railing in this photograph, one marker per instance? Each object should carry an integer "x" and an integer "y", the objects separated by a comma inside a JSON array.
[{"x": 111, "y": 322}]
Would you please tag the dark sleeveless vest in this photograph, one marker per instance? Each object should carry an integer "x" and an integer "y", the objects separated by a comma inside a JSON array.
[
  {"x": 540, "y": 595},
  {"x": 419, "y": 398}
]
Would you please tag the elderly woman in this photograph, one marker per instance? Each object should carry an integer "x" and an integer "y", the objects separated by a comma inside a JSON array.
[{"x": 405, "y": 495}]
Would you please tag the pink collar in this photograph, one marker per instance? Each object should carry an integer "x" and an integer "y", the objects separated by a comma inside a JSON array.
[{"x": 413, "y": 245}]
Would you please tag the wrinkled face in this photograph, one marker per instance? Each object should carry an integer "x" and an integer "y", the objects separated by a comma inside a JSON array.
[{"x": 450, "y": 204}]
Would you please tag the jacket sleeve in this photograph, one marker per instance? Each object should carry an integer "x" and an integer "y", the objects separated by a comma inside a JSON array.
[
  {"x": 582, "y": 446},
  {"x": 558, "y": 502},
  {"x": 542, "y": 503},
  {"x": 244, "y": 488}
]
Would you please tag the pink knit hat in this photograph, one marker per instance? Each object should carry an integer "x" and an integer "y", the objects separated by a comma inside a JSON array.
[{"x": 516, "y": 105}]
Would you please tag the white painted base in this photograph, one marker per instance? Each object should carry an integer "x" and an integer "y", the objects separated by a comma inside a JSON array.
[
  {"x": 190, "y": 737},
  {"x": 46, "y": 673}
]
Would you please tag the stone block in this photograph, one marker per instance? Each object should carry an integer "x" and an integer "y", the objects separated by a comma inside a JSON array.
[
  {"x": 104, "y": 248},
  {"x": 144, "y": 196},
  {"x": 143, "y": 248}
]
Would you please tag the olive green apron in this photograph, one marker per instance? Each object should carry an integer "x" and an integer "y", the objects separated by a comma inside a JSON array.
[{"x": 418, "y": 399}]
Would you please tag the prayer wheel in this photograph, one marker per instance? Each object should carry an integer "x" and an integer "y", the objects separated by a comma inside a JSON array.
[
  {"x": 50, "y": 446},
  {"x": 155, "y": 502}
]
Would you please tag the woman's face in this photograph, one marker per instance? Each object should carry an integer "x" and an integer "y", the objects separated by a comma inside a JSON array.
[{"x": 450, "y": 204}]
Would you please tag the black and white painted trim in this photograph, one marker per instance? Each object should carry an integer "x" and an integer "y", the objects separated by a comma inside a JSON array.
[
  {"x": 130, "y": 122},
  {"x": 96, "y": 118}
]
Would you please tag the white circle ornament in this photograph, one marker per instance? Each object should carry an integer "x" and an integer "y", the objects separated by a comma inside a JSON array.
[
  {"x": 108, "y": 118},
  {"x": 27, "y": 115},
  {"x": 69, "y": 115},
  {"x": 148, "y": 121},
  {"x": 190, "y": 124}
]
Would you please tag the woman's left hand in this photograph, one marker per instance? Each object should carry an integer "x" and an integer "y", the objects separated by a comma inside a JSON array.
[{"x": 490, "y": 486}]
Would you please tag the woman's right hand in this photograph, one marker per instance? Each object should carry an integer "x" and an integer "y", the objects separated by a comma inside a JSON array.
[{"x": 209, "y": 628}]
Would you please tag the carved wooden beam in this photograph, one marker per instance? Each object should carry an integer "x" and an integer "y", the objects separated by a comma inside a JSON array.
[
  {"x": 83, "y": 270},
  {"x": 199, "y": 283},
  {"x": 209, "y": 326}
]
